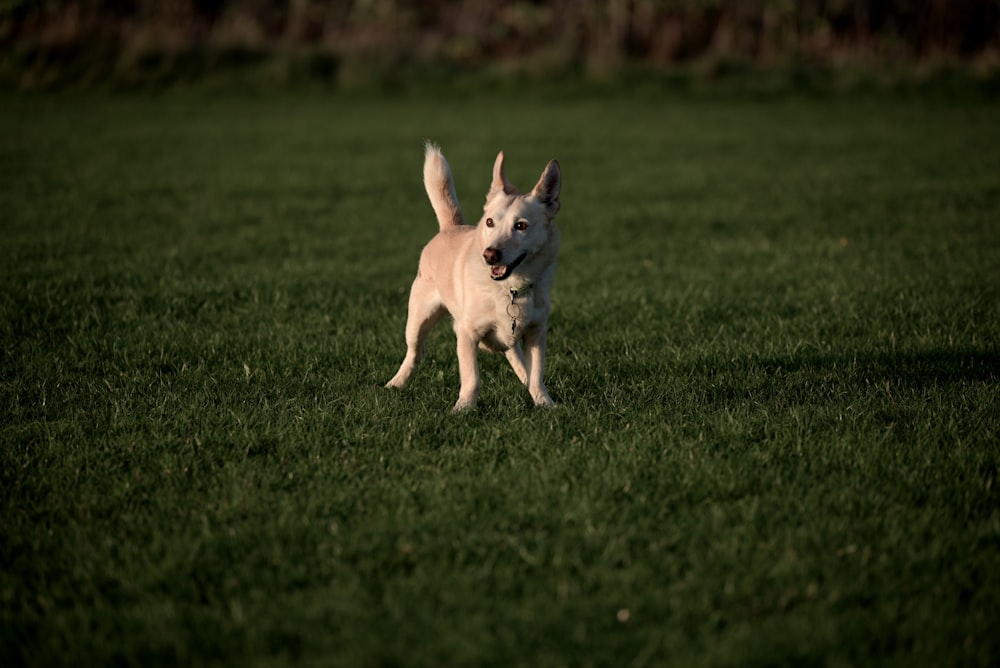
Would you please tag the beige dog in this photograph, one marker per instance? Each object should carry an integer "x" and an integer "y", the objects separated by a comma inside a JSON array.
[{"x": 494, "y": 278}]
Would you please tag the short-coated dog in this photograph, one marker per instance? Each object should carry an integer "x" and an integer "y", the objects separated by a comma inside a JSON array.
[{"x": 493, "y": 278}]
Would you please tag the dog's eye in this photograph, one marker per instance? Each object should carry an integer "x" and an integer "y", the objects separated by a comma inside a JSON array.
[
  {"x": 489, "y": 222},
  {"x": 521, "y": 225}
]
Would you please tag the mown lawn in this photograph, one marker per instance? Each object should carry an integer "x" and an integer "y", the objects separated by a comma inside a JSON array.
[{"x": 774, "y": 345}]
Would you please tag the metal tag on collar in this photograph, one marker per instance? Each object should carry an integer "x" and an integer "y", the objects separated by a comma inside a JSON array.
[{"x": 513, "y": 311}]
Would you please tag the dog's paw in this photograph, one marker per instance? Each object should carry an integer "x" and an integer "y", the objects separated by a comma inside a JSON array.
[
  {"x": 543, "y": 400},
  {"x": 462, "y": 406}
]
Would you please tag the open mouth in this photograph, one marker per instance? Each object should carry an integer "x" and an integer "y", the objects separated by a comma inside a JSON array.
[{"x": 499, "y": 272}]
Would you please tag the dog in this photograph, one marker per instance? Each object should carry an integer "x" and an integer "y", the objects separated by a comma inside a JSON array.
[{"x": 493, "y": 278}]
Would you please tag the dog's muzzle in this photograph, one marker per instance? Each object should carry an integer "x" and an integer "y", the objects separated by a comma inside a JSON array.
[{"x": 499, "y": 272}]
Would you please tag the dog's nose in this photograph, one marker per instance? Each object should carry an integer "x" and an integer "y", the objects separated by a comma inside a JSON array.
[{"x": 491, "y": 255}]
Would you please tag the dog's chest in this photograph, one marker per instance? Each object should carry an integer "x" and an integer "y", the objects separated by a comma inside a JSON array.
[{"x": 510, "y": 320}]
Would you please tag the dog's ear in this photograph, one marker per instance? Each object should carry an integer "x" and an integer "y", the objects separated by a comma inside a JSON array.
[
  {"x": 546, "y": 191},
  {"x": 500, "y": 183}
]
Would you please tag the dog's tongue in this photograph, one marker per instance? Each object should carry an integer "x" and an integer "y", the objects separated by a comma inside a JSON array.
[{"x": 498, "y": 270}]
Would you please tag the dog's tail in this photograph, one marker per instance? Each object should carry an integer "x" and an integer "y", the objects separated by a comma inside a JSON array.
[{"x": 441, "y": 188}]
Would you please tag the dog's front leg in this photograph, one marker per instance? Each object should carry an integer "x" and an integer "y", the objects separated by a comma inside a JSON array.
[
  {"x": 468, "y": 369},
  {"x": 534, "y": 341}
]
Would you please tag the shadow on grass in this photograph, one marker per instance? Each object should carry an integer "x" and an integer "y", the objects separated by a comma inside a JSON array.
[
  {"x": 819, "y": 378},
  {"x": 916, "y": 369}
]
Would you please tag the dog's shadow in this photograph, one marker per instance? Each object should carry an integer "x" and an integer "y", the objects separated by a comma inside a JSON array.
[{"x": 814, "y": 376}]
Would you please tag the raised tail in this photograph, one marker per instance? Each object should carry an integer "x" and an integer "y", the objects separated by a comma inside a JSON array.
[{"x": 441, "y": 188}]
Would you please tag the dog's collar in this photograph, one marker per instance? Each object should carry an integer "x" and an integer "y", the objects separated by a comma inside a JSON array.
[{"x": 520, "y": 292}]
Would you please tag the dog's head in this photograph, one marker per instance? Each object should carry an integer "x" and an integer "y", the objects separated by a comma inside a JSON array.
[{"x": 515, "y": 227}]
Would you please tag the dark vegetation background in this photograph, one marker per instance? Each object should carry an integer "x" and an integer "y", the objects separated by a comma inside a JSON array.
[{"x": 54, "y": 43}]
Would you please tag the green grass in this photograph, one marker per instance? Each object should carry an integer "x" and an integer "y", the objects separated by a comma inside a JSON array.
[{"x": 774, "y": 345}]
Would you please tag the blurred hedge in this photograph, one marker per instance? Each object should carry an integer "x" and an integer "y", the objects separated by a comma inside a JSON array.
[{"x": 49, "y": 43}]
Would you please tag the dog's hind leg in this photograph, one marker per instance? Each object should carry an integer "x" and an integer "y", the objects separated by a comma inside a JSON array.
[
  {"x": 535, "y": 343},
  {"x": 425, "y": 311},
  {"x": 516, "y": 358}
]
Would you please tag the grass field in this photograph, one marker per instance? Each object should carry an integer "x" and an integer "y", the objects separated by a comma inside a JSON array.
[{"x": 774, "y": 346}]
